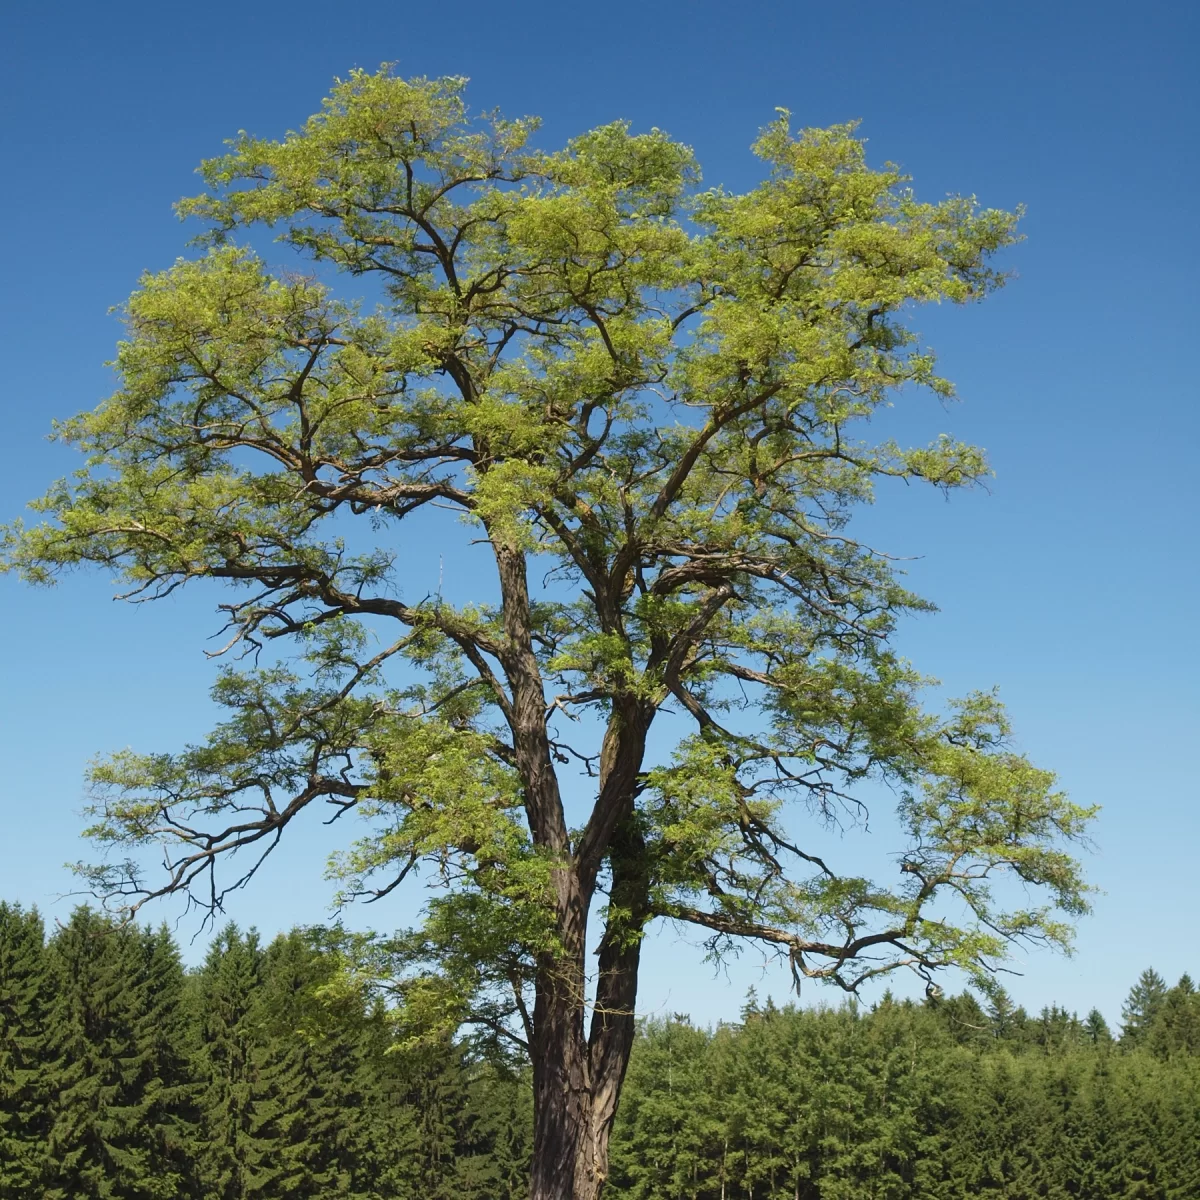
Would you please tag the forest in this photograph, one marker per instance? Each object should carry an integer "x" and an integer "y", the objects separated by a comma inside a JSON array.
[{"x": 262, "y": 1074}]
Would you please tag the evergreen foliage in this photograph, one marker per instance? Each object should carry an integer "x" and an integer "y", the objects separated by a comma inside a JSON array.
[
  {"x": 225, "y": 991},
  {"x": 906, "y": 1102},
  {"x": 120, "y": 1109},
  {"x": 25, "y": 1058},
  {"x": 1142, "y": 1006},
  {"x": 264, "y": 1075}
]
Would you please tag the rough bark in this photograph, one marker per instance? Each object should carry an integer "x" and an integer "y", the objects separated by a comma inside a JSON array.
[{"x": 578, "y": 1078}]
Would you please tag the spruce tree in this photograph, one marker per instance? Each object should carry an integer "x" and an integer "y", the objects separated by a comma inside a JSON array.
[
  {"x": 389, "y": 1153},
  {"x": 493, "y": 1160},
  {"x": 306, "y": 1093},
  {"x": 1100, "y": 1160},
  {"x": 1057, "y": 1030},
  {"x": 1142, "y": 1006},
  {"x": 436, "y": 1094},
  {"x": 964, "y": 1018},
  {"x": 1179, "y": 1139},
  {"x": 669, "y": 1140},
  {"x": 118, "y": 1131},
  {"x": 1096, "y": 1030},
  {"x": 168, "y": 1111},
  {"x": 1175, "y": 1028},
  {"x": 226, "y": 994},
  {"x": 26, "y": 1066}
]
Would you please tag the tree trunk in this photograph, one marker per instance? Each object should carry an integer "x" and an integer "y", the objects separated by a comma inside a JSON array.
[
  {"x": 576, "y": 1079},
  {"x": 564, "y": 1137},
  {"x": 575, "y": 1094},
  {"x": 577, "y": 1076}
]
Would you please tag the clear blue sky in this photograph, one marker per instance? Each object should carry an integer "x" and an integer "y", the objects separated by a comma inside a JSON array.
[{"x": 1072, "y": 586}]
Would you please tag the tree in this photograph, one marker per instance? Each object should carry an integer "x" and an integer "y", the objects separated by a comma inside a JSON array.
[
  {"x": 1096, "y": 1029},
  {"x": 168, "y": 1113},
  {"x": 1175, "y": 1028},
  {"x": 25, "y": 1056},
  {"x": 306, "y": 1075},
  {"x": 1142, "y": 1006},
  {"x": 121, "y": 1123},
  {"x": 225, "y": 1008},
  {"x": 654, "y": 399}
]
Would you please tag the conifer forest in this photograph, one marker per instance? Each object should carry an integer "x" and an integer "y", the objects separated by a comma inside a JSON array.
[{"x": 263, "y": 1074}]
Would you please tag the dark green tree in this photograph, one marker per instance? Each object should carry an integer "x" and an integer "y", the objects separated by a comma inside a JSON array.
[
  {"x": 1175, "y": 1027},
  {"x": 306, "y": 1086},
  {"x": 122, "y": 1099},
  {"x": 226, "y": 995},
  {"x": 311, "y": 1086},
  {"x": 168, "y": 1113},
  {"x": 1142, "y": 1006},
  {"x": 671, "y": 1140},
  {"x": 27, "y": 1061},
  {"x": 1096, "y": 1029},
  {"x": 1002, "y": 1014},
  {"x": 1056, "y": 1030},
  {"x": 964, "y": 1018}
]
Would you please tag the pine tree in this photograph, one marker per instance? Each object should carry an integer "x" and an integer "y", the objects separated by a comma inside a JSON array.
[
  {"x": 119, "y": 1127},
  {"x": 168, "y": 1113},
  {"x": 226, "y": 994},
  {"x": 1143, "y": 1173},
  {"x": 106, "y": 1047},
  {"x": 1175, "y": 1027},
  {"x": 1001, "y": 1013},
  {"x": 25, "y": 1057},
  {"x": 669, "y": 1139},
  {"x": 307, "y": 1082},
  {"x": 964, "y": 1019},
  {"x": 1142, "y": 1006},
  {"x": 1096, "y": 1029},
  {"x": 1057, "y": 1030},
  {"x": 389, "y": 1152},
  {"x": 493, "y": 1161},
  {"x": 1100, "y": 1159},
  {"x": 1179, "y": 1139},
  {"x": 434, "y": 1084}
]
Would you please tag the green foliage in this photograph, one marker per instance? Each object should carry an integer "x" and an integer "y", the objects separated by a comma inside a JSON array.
[
  {"x": 902, "y": 1103},
  {"x": 261, "y": 1076},
  {"x": 264, "y": 1074},
  {"x": 122, "y": 1094},
  {"x": 224, "y": 996},
  {"x": 1142, "y": 1006},
  {"x": 26, "y": 1056},
  {"x": 1175, "y": 1026},
  {"x": 654, "y": 396}
]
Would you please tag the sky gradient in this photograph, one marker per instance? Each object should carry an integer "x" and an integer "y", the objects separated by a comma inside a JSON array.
[{"x": 1071, "y": 584}]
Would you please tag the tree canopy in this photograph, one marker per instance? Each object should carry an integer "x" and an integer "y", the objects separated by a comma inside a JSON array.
[{"x": 652, "y": 402}]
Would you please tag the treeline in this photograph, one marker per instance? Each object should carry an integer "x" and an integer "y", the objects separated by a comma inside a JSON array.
[
  {"x": 255, "y": 1076},
  {"x": 940, "y": 1101},
  {"x": 123, "y": 1076}
]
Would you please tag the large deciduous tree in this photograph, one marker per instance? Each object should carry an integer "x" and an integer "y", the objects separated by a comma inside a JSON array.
[{"x": 651, "y": 403}]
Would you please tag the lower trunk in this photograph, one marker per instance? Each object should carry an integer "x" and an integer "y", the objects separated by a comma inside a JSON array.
[
  {"x": 577, "y": 1081},
  {"x": 577, "y": 1077},
  {"x": 570, "y": 1153}
]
